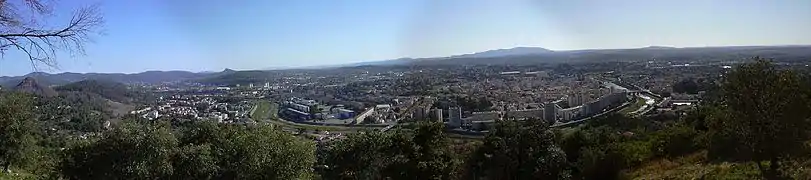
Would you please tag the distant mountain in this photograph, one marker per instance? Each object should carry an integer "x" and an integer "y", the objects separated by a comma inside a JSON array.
[
  {"x": 379, "y": 63},
  {"x": 658, "y": 47},
  {"x": 512, "y": 56},
  {"x": 226, "y": 70},
  {"x": 686, "y": 54},
  {"x": 108, "y": 89},
  {"x": 238, "y": 77},
  {"x": 517, "y": 51},
  {"x": 30, "y": 85},
  {"x": 148, "y": 77}
]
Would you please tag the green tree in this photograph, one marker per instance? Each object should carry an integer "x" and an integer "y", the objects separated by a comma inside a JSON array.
[
  {"x": 522, "y": 150},
  {"x": 222, "y": 151},
  {"x": 17, "y": 130},
  {"x": 194, "y": 162},
  {"x": 359, "y": 156},
  {"x": 599, "y": 162},
  {"x": 674, "y": 141},
  {"x": 595, "y": 152},
  {"x": 129, "y": 151},
  {"x": 205, "y": 150},
  {"x": 424, "y": 153},
  {"x": 765, "y": 114},
  {"x": 262, "y": 152}
]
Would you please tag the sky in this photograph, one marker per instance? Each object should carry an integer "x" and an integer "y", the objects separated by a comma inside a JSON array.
[{"x": 210, "y": 35}]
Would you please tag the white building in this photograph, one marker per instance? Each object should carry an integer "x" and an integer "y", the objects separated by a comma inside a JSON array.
[
  {"x": 576, "y": 99},
  {"x": 455, "y": 117},
  {"x": 362, "y": 116},
  {"x": 525, "y": 114}
]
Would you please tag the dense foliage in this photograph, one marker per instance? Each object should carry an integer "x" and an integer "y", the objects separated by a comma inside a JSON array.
[
  {"x": 692, "y": 86},
  {"x": 422, "y": 154},
  {"x": 73, "y": 111},
  {"x": 17, "y": 131},
  {"x": 763, "y": 116},
  {"x": 522, "y": 151},
  {"x": 200, "y": 151},
  {"x": 108, "y": 89}
]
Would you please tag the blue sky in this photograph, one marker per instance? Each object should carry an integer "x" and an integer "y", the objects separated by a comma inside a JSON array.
[{"x": 201, "y": 35}]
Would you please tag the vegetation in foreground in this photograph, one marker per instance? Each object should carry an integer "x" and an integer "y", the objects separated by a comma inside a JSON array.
[{"x": 757, "y": 128}]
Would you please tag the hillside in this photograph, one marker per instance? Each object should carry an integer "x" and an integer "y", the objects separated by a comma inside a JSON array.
[
  {"x": 108, "y": 89},
  {"x": 149, "y": 77},
  {"x": 42, "y": 79},
  {"x": 31, "y": 85},
  {"x": 517, "y": 51},
  {"x": 238, "y": 77}
]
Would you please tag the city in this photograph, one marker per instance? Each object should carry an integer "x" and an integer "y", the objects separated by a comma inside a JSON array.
[{"x": 405, "y": 89}]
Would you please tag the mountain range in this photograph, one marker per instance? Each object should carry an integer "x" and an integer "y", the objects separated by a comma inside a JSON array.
[
  {"x": 148, "y": 77},
  {"x": 513, "y": 56},
  {"x": 517, "y": 51}
]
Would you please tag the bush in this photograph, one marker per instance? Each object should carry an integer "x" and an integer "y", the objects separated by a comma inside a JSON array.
[
  {"x": 633, "y": 153},
  {"x": 206, "y": 151},
  {"x": 674, "y": 141},
  {"x": 128, "y": 152},
  {"x": 599, "y": 163}
]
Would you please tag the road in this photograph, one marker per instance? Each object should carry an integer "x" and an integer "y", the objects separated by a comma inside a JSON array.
[{"x": 649, "y": 101}]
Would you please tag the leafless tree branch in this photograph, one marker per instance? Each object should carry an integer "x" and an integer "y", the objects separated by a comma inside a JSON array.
[{"x": 42, "y": 44}]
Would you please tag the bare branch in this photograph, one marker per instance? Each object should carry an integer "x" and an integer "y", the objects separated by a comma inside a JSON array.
[{"x": 41, "y": 44}]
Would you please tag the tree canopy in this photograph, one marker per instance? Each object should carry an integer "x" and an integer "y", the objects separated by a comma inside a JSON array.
[
  {"x": 764, "y": 114},
  {"x": 422, "y": 154},
  {"x": 522, "y": 150},
  {"x": 17, "y": 129},
  {"x": 202, "y": 150}
]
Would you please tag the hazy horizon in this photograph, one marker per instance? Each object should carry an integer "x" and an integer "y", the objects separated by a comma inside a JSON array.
[{"x": 213, "y": 35}]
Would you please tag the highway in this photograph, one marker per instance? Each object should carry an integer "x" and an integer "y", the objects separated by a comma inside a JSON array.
[{"x": 649, "y": 101}]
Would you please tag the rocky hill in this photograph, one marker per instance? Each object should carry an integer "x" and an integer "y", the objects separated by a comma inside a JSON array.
[{"x": 31, "y": 85}]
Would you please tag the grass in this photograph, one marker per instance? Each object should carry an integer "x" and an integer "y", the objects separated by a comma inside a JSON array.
[
  {"x": 694, "y": 166},
  {"x": 274, "y": 109},
  {"x": 633, "y": 107},
  {"x": 263, "y": 110}
]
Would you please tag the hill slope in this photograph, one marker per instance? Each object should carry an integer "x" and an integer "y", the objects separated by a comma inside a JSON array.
[
  {"x": 108, "y": 89},
  {"x": 148, "y": 77},
  {"x": 30, "y": 85}
]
